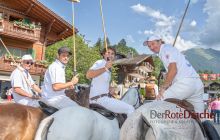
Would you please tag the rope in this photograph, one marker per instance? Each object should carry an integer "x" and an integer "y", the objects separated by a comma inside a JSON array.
[
  {"x": 8, "y": 52},
  {"x": 103, "y": 26}
]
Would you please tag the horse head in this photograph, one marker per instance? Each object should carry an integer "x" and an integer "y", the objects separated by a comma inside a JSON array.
[
  {"x": 132, "y": 97},
  {"x": 79, "y": 95}
]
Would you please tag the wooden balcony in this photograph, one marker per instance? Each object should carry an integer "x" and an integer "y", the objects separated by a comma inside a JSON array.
[
  {"x": 10, "y": 29},
  {"x": 7, "y": 65}
]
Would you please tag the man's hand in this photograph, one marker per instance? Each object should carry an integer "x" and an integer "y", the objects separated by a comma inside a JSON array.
[
  {"x": 75, "y": 79},
  {"x": 112, "y": 90},
  {"x": 108, "y": 64},
  {"x": 35, "y": 97}
]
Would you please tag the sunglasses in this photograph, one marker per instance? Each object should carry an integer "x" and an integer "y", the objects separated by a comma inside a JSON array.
[{"x": 29, "y": 62}]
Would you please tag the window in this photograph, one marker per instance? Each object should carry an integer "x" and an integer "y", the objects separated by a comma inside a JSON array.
[{"x": 14, "y": 51}]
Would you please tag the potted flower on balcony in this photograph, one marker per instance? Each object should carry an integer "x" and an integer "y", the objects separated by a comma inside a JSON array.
[
  {"x": 17, "y": 23},
  {"x": 8, "y": 59},
  {"x": 38, "y": 26},
  {"x": 41, "y": 63}
]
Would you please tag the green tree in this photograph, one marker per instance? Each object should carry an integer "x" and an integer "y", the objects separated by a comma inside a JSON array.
[
  {"x": 85, "y": 57},
  {"x": 122, "y": 48}
]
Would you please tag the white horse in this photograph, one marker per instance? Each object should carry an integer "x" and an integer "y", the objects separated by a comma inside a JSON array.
[
  {"x": 161, "y": 120},
  {"x": 83, "y": 124}
]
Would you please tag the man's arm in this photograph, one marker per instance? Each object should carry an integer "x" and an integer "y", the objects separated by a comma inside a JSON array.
[
  {"x": 94, "y": 73},
  {"x": 21, "y": 92},
  {"x": 61, "y": 86},
  {"x": 172, "y": 71},
  {"x": 36, "y": 88}
]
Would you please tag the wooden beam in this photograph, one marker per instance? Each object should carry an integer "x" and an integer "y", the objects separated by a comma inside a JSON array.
[
  {"x": 29, "y": 9},
  {"x": 47, "y": 31},
  {"x": 50, "y": 26},
  {"x": 63, "y": 32}
]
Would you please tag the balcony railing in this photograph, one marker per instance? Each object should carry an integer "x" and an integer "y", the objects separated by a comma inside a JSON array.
[
  {"x": 10, "y": 29},
  {"x": 8, "y": 66}
]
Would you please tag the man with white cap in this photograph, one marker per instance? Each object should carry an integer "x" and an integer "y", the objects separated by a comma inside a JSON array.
[
  {"x": 55, "y": 81},
  {"x": 23, "y": 85},
  {"x": 182, "y": 81}
]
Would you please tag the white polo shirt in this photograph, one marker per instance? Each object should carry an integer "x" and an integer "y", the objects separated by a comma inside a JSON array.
[
  {"x": 169, "y": 54},
  {"x": 54, "y": 74},
  {"x": 18, "y": 80},
  {"x": 100, "y": 84}
]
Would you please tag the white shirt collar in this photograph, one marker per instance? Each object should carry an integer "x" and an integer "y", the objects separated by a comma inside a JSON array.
[{"x": 60, "y": 64}]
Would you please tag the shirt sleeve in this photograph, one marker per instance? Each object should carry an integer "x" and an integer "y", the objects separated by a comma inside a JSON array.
[
  {"x": 16, "y": 79},
  {"x": 57, "y": 75},
  {"x": 171, "y": 55},
  {"x": 97, "y": 65}
]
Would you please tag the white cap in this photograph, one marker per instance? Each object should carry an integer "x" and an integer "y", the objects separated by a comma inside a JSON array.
[
  {"x": 27, "y": 57},
  {"x": 151, "y": 38}
]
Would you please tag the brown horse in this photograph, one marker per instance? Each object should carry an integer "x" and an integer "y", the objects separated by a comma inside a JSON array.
[{"x": 19, "y": 122}]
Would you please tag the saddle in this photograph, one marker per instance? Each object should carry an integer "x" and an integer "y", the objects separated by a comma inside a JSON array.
[
  {"x": 48, "y": 110},
  {"x": 189, "y": 107},
  {"x": 108, "y": 114}
]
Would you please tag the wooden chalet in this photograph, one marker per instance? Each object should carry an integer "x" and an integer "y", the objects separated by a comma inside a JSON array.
[
  {"x": 134, "y": 69},
  {"x": 28, "y": 27},
  {"x": 212, "y": 89}
]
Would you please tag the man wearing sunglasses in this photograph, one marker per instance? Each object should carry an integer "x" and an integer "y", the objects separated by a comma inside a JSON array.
[
  {"x": 55, "y": 81},
  {"x": 23, "y": 86}
]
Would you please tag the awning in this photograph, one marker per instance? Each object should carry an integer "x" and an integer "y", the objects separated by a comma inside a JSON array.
[
  {"x": 136, "y": 75},
  {"x": 4, "y": 78}
]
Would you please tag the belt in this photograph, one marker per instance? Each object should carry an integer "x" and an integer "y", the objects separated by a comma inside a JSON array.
[{"x": 99, "y": 96}]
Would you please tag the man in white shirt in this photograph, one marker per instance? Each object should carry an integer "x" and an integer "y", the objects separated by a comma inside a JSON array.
[
  {"x": 182, "y": 81},
  {"x": 100, "y": 73},
  {"x": 23, "y": 85},
  {"x": 55, "y": 81}
]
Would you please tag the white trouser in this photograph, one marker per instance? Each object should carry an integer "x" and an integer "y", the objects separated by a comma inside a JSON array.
[
  {"x": 191, "y": 89},
  {"x": 28, "y": 102},
  {"x": 59, "y": 102},
  {"x": 114, "y": 105}
]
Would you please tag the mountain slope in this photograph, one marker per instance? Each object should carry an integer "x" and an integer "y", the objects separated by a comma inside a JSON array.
[{"x": 204, "y": 59}]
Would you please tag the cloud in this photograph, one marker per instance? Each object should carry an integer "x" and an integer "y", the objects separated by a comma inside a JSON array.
[
  {"x": 194, "y": 1},
  {"x": 129, "y": 38},
  {"x": 148, "y": 32},
  {"x": 193, "y": 23},
  {"x": 180, "y": 44},
  {"x": 161, "y": 19},
  {"x": 210, "y": 35},
  {"x": 164, "y": 26}
]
